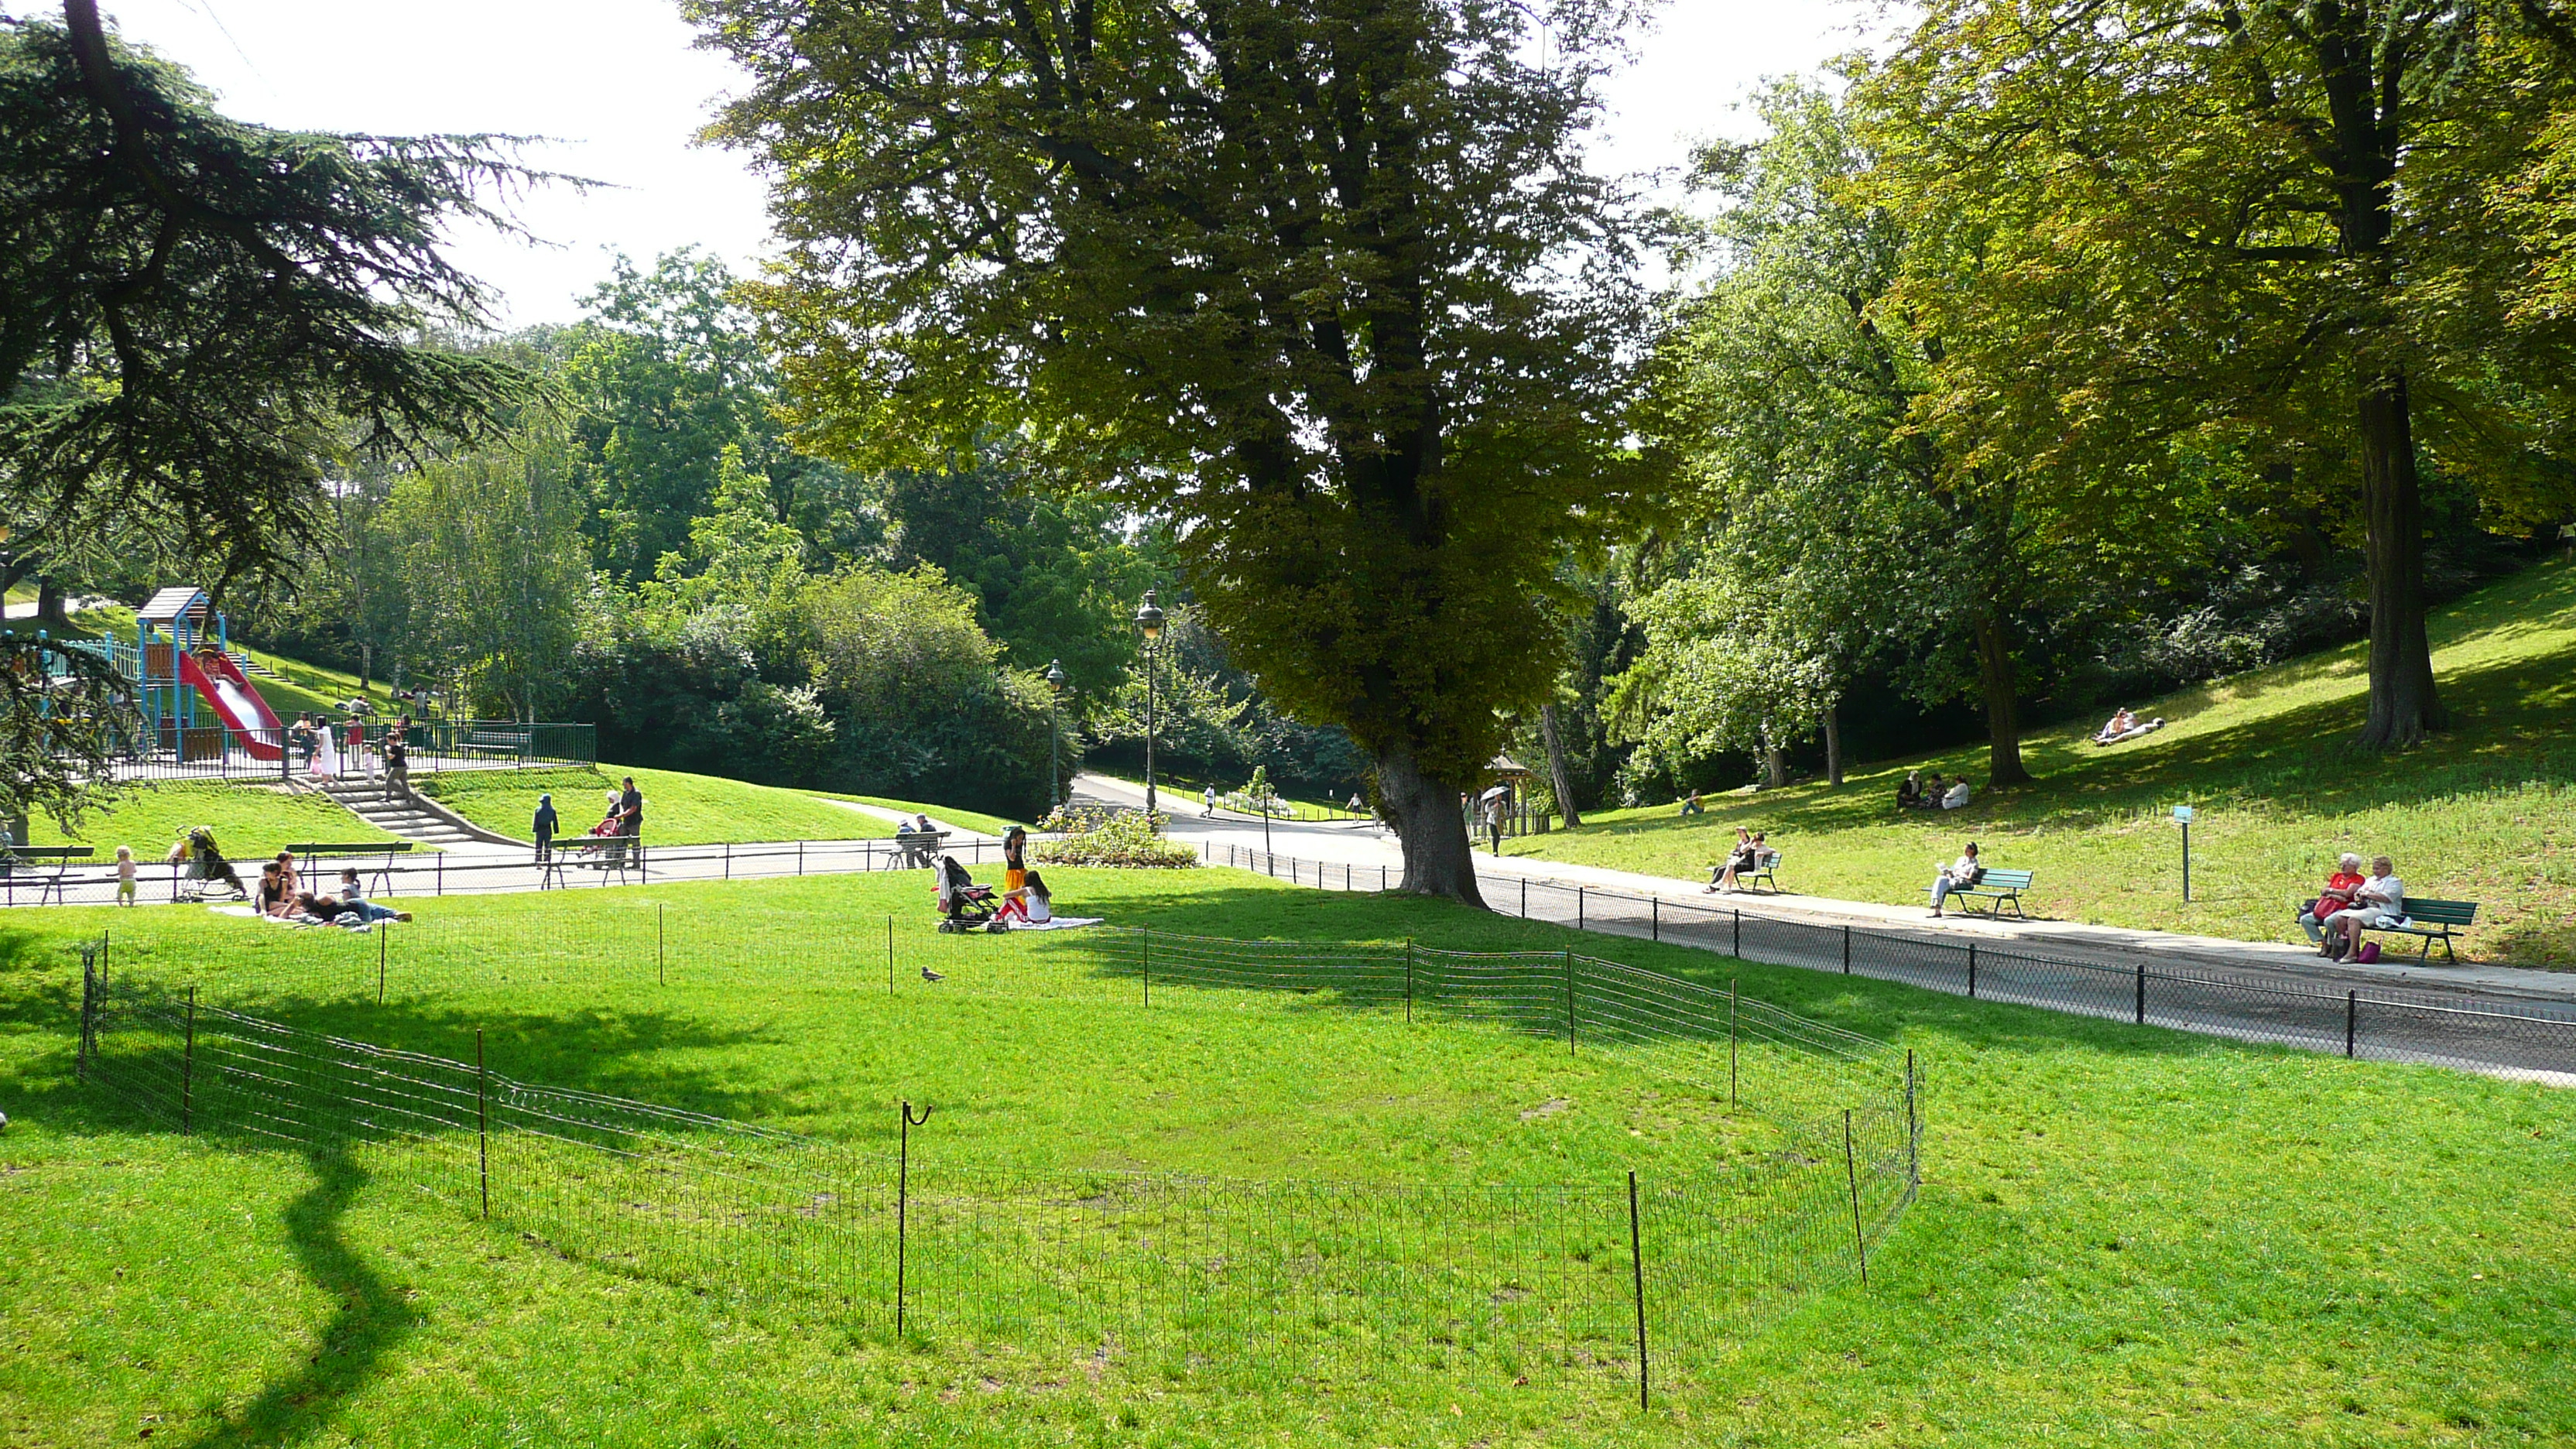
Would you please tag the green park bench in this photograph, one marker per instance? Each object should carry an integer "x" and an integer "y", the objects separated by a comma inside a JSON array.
[
  {"x": 2434, "y": 921},
  {"x": 1763, "y": 869},
  {"x": 47, "y": 865},
  {"x": 510, "y": 743},
  {"x": 2001, "y": 887},
  {"x": 383, "y": 870},
  {"x": 918, "y": 849}
]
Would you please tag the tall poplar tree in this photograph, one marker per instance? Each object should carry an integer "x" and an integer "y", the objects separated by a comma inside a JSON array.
[{"x": 1326, "y": 283}]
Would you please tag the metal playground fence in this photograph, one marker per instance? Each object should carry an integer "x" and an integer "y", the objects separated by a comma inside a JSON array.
[{"x": 1624, "y": 1283}]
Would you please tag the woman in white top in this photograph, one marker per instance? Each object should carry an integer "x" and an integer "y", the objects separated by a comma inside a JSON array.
[
  {"x": 1957, "y": 875},
  {"x": 2381, "y": 901},
  {"x": 1957, "y": 795}
]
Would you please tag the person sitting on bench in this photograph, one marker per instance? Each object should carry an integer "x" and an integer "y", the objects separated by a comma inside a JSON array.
[
  {"x": 1747, "y": 856},
  {"x": 2378, "y": 901},
  {"x": 1958, "y": 875},
  {"x": 2337, "y": 896}
]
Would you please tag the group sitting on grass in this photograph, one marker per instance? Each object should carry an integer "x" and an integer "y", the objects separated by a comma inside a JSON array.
[
  {"x": 1917, "y": 793},
  {"x": 2353, "y": 903},
  {"x": 282, "y": 897},
  {"x": 2123, "y": 725}
]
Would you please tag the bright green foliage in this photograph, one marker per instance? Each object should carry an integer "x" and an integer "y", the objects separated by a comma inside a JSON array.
[
  {"x": 1329, "y": 286},
  {"x": 492, "y": 570},
  {"x": 2161, "y": 231},
  {"x": 670, "y": 373},
  {"x": 2126, "y": 1236},
  {"x": 1124, "y": 838}
]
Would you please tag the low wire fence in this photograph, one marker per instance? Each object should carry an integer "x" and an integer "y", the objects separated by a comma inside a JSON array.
[
  {"x": 213, "y": 750},
  {"x": 2482, "y": 1031},
  {"x": 1622, "y": 1283}
]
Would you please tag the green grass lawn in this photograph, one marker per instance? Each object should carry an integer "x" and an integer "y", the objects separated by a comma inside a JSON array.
[
  {"x": 679, "y": 809},
  {"x": 250, "y": 821},
  {"x": 2485, "y": 812},
  {"x": 963, "y": 819},
  {"x": 2126, "y": 1235}
]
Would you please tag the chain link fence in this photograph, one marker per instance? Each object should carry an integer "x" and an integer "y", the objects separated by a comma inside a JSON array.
[
  {"x": 2490, "y": 1032},
  {"x": 1611, "y": 1282}
]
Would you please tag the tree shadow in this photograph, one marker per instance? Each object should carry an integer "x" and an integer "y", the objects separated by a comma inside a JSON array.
[{"x": 349, "y": 1350}]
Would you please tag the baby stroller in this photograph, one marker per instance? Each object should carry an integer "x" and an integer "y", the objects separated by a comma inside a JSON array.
[
  {"x": 964, "y": 905},
  {"x": 207, "y": 866}
]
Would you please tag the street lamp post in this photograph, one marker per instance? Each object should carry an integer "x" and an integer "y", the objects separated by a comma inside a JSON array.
[
  {"x": 1055, "y": 735},
  {"x": 1149, "y": 621}
]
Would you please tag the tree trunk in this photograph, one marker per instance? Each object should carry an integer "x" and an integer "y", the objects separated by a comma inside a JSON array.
[
  {"x": 51, "y": 609},
  {"x": 1834, "y": 744},
  {"x": 1775, "y": 765},
  {"x": 2402, "y": 702},
  {"x": 2003, "y": 721},
  {"x": 1439, "y": 859},
  {"x": 1560, "y": 780}
]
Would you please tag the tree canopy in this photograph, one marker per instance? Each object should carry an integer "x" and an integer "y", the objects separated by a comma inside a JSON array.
[{"x": 1329, "y": 285}]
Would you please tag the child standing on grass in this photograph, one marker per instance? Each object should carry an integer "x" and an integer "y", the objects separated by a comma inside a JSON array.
[{"x": 125, "y": 875}]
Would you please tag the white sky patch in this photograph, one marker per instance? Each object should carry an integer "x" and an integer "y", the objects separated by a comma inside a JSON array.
[{"x": 619, "y": 85}]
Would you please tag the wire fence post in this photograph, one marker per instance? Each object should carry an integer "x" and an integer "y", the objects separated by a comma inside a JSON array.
[
  {"x": 1851, "y": 1175},
  {"x": 2142, "y": 991},
  {"x": 1972, "y": 968},
  {"x": 188, "y": 1072},
  {"x": 1913, "y": 1129},
  {"x": 89, "y": 1017},
  {"x": 482, "y": 1124},
  {"x": 1524, "y": 898},
  {"x": 1654, "y": 918},
  {"x": 800, "y": 859},
  {"x": 661, "y": 974},
  {"x": 439, "y": 866},
  {"x": 1408, "y": 981},
  {"x": 1149, "y": 964},
  {"x": 2351, "y": 1021},
  {"x": 889, "y": 955},
  {"x": 1846, "y": 950},
  {"x": 903, "y": 1203},
  {"x": 1578, "y": 908},
  {"x": 1738, "y": 951},
  {"x": 1730, "y": 1043},
  {"x": 1637, "y": 1260},
  {"x": 382, "y": 936},
  {"x": 1569, "y": 1002},
  {"x": 728, "y": 860}
]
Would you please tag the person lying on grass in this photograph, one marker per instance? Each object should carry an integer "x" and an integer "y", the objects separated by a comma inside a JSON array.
[
  {"x": 2120, "y": 723},
  {"x": 1958, "y": 875},
  {"x": 2378, "y": 901},
  {"x": 354, "y": 900},
  {"x": 2337, "y": 896}
]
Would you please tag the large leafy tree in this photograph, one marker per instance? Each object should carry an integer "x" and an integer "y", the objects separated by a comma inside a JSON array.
[
  {"x": 2259, "y": 230},
  {"x": 1328, "y": 284}
]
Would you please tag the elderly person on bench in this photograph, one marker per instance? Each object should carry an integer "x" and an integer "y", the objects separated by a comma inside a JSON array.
[
  {"x": 2378, "y": 901},
  {"x": 2337, "y": 896}
]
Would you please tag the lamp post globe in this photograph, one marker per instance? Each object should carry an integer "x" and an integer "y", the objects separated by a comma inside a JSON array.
[{"x": 1055, "y": 734}]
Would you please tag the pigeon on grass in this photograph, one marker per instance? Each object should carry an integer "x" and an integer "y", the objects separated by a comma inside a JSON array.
[{"x": 929, "y": 975}]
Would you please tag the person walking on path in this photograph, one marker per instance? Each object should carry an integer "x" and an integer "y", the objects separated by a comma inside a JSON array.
[
  {"x": 1207, "y": 794},
  {"x": 397, "y": 767},
  {"x": 544, "y": 827}
]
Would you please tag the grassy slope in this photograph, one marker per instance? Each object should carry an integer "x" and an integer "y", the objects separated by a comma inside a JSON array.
[
  {"x": 2486, "y": 812},
  {"x": 250, "y": 821},
  {"x": 2127, "y": 1236},
  {"x": 963, "y": 819},
  {"x": 679, "y": 809}
]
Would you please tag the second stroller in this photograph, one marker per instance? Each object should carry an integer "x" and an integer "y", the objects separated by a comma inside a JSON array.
[{"x": 964, "y": 905}]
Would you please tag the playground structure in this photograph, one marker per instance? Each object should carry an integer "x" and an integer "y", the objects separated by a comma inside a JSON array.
[
  {"x": 203, "y": 718},
  {"x": 180, "y": 663}
]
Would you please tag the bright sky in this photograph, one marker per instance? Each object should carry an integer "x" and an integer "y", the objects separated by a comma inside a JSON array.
[{"x": 619, "y": 86}]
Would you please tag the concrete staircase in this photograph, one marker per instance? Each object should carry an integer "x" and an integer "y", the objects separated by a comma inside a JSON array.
[{"x": 415, "y": 820}]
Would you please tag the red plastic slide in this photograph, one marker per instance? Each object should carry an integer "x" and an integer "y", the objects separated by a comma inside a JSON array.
[{"x": 220, "y": 681}]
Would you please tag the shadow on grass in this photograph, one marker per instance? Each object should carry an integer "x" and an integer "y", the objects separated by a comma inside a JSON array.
[{"x": 349, "y": 1349}]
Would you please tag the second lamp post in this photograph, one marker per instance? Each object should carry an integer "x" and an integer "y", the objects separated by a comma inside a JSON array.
[{"x": 1149, "y": 621}]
